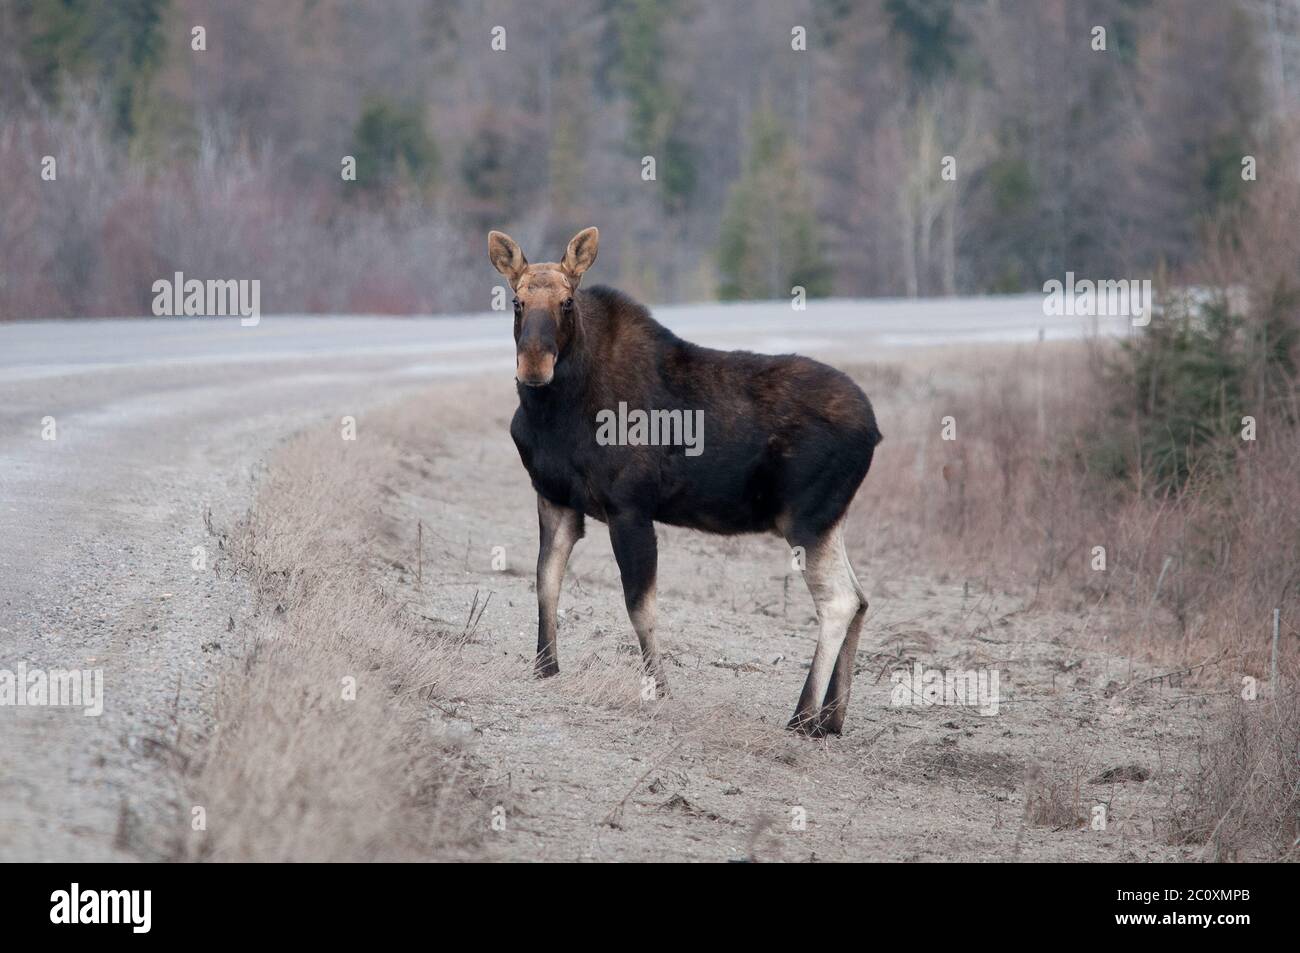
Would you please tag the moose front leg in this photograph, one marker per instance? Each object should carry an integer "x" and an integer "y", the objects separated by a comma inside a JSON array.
[
  {"x": 560, "y": 527},
  {"x": 637, "y": 553}
]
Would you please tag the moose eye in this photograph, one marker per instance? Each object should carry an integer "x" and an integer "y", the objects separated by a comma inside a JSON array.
[
  {"x": 519, "y": 305},
  {"x": 567, "y": 304}
]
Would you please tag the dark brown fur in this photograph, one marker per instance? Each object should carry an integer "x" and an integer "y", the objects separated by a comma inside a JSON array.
[{"x": 787, "y": 441}]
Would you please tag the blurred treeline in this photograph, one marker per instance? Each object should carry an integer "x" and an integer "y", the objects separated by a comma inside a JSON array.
[{"x": 773, "y": 167}]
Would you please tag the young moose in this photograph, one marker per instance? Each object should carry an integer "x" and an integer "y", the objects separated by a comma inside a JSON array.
[{"x": 788, "y": 441}]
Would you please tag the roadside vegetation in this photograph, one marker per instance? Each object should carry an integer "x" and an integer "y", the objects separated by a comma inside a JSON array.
[
  {"x": 1150, "y": 485},
  {"x": 323, "y": 743}
]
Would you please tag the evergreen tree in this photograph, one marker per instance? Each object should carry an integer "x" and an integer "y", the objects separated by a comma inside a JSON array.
[
  {"x": 393, "y": 147},
  {"x": 929, "y": 29},
  {"x": 655, "y": 105},
  {"x": 118, "y": 44},
  {"x": 769, "y": 243}
]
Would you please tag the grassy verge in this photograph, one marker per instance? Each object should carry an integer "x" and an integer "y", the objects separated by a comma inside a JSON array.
[{"x": 324, "y": 745}]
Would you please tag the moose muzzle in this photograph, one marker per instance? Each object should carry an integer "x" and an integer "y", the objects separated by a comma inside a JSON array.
[{"x": 535, "y": 368}]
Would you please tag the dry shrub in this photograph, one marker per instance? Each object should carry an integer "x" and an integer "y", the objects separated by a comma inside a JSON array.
[
  {"x": 291, "y": 769},
  {"x": 1006, "y": 498},
  {"x": 93, "y": 243},
  {"x": 1243, "y": 802},
  {"x": 1054, "y": 798}
]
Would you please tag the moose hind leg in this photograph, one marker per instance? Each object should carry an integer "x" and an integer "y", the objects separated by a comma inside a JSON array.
[
  {"x": 837, "y": 694},
  {"x": 560, "y": 528},
  {"x": 637, "y": 553},
  {"x": 839, "y": 608}
]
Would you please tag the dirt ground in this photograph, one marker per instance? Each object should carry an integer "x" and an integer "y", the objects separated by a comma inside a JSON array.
[{"x": 580, "y": 768}]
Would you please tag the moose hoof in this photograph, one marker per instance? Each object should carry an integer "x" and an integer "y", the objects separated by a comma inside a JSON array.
[
  {"x": 815, "y": 725},
  {"x": 654, "y": 686},
  {"x": 545, "y": 668}
]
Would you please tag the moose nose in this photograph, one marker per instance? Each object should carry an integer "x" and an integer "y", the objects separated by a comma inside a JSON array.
[{"x": 535, "y": 370}]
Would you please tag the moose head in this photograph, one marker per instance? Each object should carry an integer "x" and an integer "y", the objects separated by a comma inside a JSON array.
[{"x": 546, "y": 309}]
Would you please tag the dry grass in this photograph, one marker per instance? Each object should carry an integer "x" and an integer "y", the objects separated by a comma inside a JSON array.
[
  {"x": 1054, "y": 798},
  {"x": 296, "y": 766}
]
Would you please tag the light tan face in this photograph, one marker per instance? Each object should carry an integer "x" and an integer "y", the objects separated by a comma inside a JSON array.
[
  {"x": 544, "y": 286},
  {"x": 545, "y": 306}
]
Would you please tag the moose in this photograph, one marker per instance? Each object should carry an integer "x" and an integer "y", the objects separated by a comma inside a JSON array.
[{"x": 789, "y": 442}]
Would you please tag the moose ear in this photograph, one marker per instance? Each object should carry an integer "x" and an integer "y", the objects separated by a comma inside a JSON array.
[
  {"x": 581, "y": 253},
  {"x": 506, "y": 255}
]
